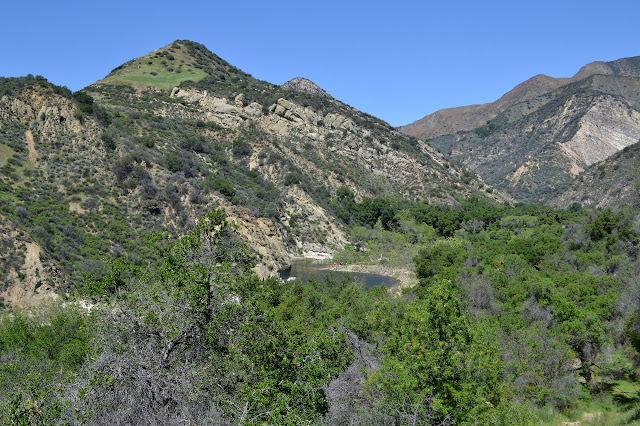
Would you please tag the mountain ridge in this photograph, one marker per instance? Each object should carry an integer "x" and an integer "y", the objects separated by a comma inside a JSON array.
[
  {"x": 453, "y": 120},
  {"x": 467, "y": 118},
  {"x": 539, "y": 138}
]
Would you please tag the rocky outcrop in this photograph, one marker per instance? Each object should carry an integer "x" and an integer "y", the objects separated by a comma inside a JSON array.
[
  {"x": 219, "y": 110},
  {"x": 216, "y": 109},
  {"x": 609, "y": 126},
  {"x": 288, "y": 110},
  {"x": 32, "y": 276},
  {"x": 303, "y": 85}
]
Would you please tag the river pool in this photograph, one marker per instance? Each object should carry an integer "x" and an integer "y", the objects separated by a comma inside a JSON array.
[{"x": 305, "y": 268}]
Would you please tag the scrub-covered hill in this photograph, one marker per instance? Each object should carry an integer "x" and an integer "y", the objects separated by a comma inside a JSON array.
[{"x": 166, "y": 137}]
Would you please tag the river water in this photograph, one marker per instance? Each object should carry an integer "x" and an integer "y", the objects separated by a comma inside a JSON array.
[{"x": 305, "y": 268}]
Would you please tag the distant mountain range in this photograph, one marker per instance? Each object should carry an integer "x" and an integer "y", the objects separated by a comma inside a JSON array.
[{"x": 534, "y": 140}]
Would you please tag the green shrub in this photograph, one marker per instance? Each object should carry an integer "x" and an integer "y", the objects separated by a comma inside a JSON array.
[
  {"x": 221, "y": 185},
  {"x": 173, "y": 161},
  {"x": 291, "y": 179},
  {"x": 241, "y": 148}
]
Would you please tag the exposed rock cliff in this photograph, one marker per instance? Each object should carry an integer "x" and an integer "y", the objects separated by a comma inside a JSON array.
[
  {"x": 545, "y": 132},
  {"x": 608, "y": 126}
]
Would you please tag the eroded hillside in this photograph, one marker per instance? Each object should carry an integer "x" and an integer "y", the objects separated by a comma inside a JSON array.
[
  {"x": 537, "y": 138},
  {"x": 534, "y": 149},
  {"x": 87, "y": 175},
  {"x": 611, "y": 183}
]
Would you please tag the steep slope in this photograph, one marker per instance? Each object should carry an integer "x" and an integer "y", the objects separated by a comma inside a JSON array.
[
  {"x": 535, "y": 148},
  {"x": 86, "y": 176},
  {"x": 611, "y": 183}
]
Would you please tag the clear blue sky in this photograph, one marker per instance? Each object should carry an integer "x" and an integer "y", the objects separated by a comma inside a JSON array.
[{"x": 398, "y": 60}]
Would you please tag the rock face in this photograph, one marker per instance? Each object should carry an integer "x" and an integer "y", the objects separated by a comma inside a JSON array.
[
  {"x": 303, "y": 85},
  {"x": 610, "y": 183},
  {"x": 537, "y": 138},
  {"x": 608, "y": 126},
  {"x": 32, "y": 277}
]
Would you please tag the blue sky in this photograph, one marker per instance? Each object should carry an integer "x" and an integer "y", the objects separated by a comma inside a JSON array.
[{"x": 398, "y": 60}]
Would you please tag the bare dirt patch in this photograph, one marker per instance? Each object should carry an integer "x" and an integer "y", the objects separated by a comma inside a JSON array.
[
  {"x": 29, "y": 287},
  {"x": 31, "y": 148}
]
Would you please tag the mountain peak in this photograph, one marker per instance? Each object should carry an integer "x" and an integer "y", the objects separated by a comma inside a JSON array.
[
  {"x": 624, "y": 67},
  {"x": 169, "y": 66},
  {"x": 304, "y": 85},
  {"x": 535, "y": 86}
]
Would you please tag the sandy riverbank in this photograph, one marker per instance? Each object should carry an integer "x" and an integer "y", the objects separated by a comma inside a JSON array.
[
  {"x": 406, "y": 277},
  {"x": 314, "y": 255}
]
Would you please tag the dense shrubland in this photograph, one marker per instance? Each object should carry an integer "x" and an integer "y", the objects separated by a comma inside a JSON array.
[
  {"x": 198, "y": 338},
  {"x": 521, "y": 311},
  {"x": 554, "y": 288}
]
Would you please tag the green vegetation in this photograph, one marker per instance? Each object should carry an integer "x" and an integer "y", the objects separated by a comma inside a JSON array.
[
  {"x": 164, "y": 68},
  {"x": 41, "y": 354},
  {"x": 199, "y": 336},
  {"x": 519, "y": 317},
  {"x": 537, "y": 280}
]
